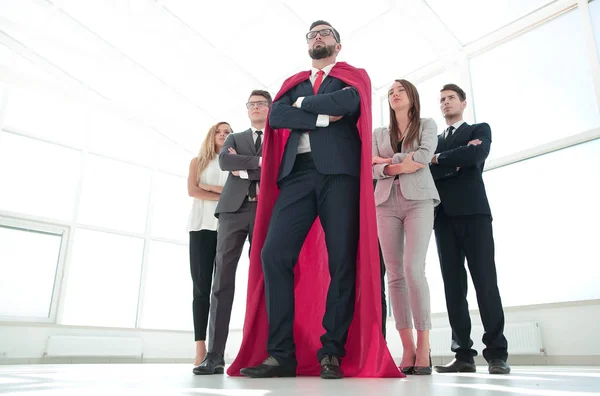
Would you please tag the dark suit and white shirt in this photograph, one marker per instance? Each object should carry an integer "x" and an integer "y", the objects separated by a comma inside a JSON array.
[
  {"x": 318, "y": 176},
  {"x": 463, "y": 229}
]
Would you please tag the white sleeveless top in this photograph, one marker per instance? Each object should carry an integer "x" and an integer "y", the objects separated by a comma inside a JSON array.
[{"x": 202, "y": 215}]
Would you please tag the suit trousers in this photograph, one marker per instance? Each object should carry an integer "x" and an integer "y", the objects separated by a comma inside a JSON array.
[
  {"x": 304, "y": 194},
  {"x": 233, "y": 230},
  {"x": 470, "y": 236}
]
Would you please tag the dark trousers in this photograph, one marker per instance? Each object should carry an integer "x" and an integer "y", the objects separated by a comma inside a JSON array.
[
  {"x": 304, "y": 194},
  {"x": 203, "y": 247},
  {"x": 470, "y": 236}
]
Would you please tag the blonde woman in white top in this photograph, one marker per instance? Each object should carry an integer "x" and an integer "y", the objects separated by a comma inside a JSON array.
[{"x": 205, "y": 183}]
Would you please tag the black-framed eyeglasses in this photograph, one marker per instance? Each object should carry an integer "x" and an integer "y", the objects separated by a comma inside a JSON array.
[
  {"x": 259, "y": 104},
  {"x": 323, "y": 32}
]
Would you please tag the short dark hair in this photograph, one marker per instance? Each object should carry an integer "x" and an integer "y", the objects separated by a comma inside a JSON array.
[
  {"x": 264, "y": 94},
  {"x": 336, "y": 34},
  {"x": 453, "y": 87}
]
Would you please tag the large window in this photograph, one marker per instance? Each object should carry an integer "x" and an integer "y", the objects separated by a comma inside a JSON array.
[
  {"x": 595, "y": 14},
  {"x": 47, "y": 114},
  {"x": 545, "y": 230},
  {"x": 472, "y": 19},
  {"x": 37, "y": 178},
  {"x": 29, "y": 263},
  {"x": 114, "y": 195},
  {"x": 103, "y": 280},
  {"x": 536, "y": 88},
  {"x": 168, "y": 291},
  {"x": 171, "y": 207}
]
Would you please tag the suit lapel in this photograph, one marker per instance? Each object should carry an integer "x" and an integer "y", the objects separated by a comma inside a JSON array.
[
  {"x": 441, "y": 143},
  {"x": 306, "y": 88},
  {"x": 387, "y": 149},
  {"x": 324, "y": 84},
  {"x": 249, "y": 140},
  {"x": 450, "y": 141}
]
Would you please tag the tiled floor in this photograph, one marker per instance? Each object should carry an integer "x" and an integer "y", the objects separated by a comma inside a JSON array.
[{"x": 177, "y": 379}]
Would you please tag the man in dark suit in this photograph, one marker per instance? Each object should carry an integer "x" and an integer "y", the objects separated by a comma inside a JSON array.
[
  {"x": 318, "y": 176},
  {"x": 463, "y": 228},
  {"x": 236, "y": 210}
]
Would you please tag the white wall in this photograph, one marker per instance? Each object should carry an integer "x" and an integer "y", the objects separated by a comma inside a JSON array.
[{"x": 569, "y": 332}]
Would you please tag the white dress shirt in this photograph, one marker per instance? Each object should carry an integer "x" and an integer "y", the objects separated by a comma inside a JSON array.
[
  {"x": 322, "y": 119},
  {"x": 456, "y": 125},
  {"x": 244, "y": 173},
  {"x": 202, "y": 214}
]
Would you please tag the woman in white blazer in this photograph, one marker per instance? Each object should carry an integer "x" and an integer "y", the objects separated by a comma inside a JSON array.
[
  {"x": 205, "y": 183},
  {"x": 405, "y": 197}
]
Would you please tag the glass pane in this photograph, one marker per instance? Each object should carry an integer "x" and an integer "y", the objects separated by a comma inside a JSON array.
[
  {"x": 103, "y": 280},
  {"x": 472, "y": 19},
  {"x": 115, "y": 195},
  {"x": 57, "y": 117},
  {"x": 518, "y": 84},
  {"x": 6, "y": 56},
  {"x": 168, "y": 290},
  {"x": 548, "y": 209},
  {"x": 595, "y": 14},
  {"x": 23, "y": 253},
  {"x": 116, "y": 137},
  {"x": 552, "y": 257},
  {"x": 37, "y": 178},
  {"x": 171, "y": 207},
  {"x": 174, "y": 158}
]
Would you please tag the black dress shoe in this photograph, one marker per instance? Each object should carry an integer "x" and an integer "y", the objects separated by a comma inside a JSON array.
[
  {"x": 268, "y": 369},
  {"x": 423, "y": 370},
  {"x": 330, "y": 368},
  {"x": 456, "y": 366},
  {"x": 498, "y": 366},
  {"x": 408, "y": 370},
  {"x": 213, "y": 363}
]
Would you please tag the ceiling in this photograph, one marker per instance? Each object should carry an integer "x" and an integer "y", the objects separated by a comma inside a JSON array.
[{"x": 181, "y": 65}]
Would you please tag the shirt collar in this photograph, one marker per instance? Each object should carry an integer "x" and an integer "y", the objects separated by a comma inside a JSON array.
[
  {"x": 457, "y": 124},
  {"x": 326, "y": 70}
]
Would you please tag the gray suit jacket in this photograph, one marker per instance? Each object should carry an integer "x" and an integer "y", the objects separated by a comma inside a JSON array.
[
  {"x": 415, "y": 186},
  {"x": 236, "y": 188}
]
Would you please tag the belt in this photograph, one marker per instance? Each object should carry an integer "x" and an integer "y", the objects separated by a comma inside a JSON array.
[{"x": 304, "y": 157}]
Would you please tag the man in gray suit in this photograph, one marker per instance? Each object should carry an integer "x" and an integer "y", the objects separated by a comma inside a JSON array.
[{"x": 241, "y": 155}]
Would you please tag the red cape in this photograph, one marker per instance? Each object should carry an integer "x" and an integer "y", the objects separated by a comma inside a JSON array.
[{"x": 367, "y": 354}]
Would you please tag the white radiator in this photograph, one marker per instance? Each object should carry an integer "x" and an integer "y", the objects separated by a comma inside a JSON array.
[
  {"x": 524, "y": 338},
  {"x": 69, "y": 346}
]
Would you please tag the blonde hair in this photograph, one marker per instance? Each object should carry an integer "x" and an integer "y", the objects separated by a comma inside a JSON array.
[{"x": 208, "y": 151}]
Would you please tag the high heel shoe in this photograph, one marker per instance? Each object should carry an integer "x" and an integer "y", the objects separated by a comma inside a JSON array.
[
  {"x": 423, "y": 370},
  {"x": 408, "y": 370}
]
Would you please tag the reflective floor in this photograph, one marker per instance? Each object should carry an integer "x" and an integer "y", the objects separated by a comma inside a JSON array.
[{"x": 177, "y": 379}]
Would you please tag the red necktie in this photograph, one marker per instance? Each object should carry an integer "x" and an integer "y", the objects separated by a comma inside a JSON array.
[{"x": 318, "y": 81}]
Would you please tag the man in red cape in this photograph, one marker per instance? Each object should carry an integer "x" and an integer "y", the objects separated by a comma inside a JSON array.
[{"x": 341, "y": 177}]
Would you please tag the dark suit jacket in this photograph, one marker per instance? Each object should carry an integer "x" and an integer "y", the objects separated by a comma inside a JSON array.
[
  {"x": 336, "y": 148},
  {"x": 462, "y": 192},
  {"x": 236, "y": 188}
]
